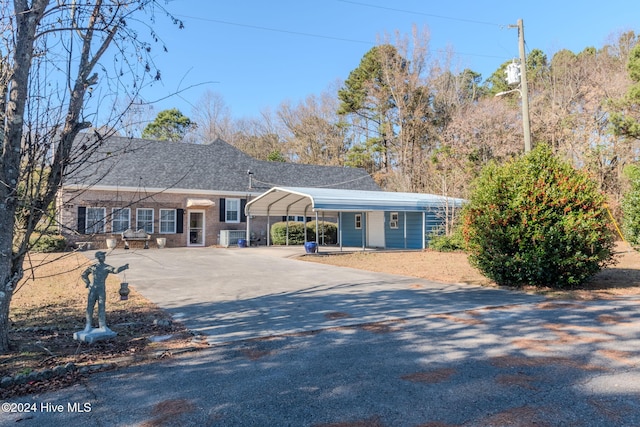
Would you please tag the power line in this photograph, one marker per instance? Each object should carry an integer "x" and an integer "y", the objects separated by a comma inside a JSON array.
[
  {"x": 479, "y": 55},
  {"x": 450, "y": 18},
  {"x": 277, "y": 30},
  {"x": 320, "y": 36}
]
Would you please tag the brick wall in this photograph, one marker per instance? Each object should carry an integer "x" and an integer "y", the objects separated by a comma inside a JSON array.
[{"x": 70, "y": 200}]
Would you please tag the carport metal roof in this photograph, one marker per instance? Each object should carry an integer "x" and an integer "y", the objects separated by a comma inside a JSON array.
[{"x": 305, "y": 200}]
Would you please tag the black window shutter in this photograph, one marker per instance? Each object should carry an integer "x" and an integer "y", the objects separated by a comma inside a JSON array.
[
  {"x": 243, "y": 203},
  {"x": 82, "y": 219},
  {"x": 223, "y": 212},
  {"x": 179, "y": 221}
]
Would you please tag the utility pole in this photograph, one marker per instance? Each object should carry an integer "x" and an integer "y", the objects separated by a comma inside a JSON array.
[
  {"x": 526, "y": 126},
  {"x": 524, "y": 89}
]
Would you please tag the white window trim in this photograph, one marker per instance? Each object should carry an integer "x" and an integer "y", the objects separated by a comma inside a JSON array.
[
  {"x": 175, "y": 221},
  {"x": 153, "y": 218},
  {"x": 204, "y": 227},
  {"x": 358, "y": 219},
  {"x": 86, "y": 220},
  {"x": 226, "y": 210},
  {"x": 113, "y": 211},
  {"x": 393, "y": 223}
]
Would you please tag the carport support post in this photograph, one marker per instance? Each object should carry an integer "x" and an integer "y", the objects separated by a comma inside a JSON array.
[
  {"x": 317, "y": 235},
  {"x": 268, "y": 226},
  {"x": 304, "y": 228},
  {"x": 424, "y": 230},
  {"x": 340, "y": 230},
  {"x": 287, "y": 227},
  {"x": 248, "y": 228},
  {"x": 363, "y": 225},
  {"x": 405, "y": 230}
]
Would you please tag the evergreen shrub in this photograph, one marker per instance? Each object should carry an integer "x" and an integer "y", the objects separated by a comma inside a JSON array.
[
  {"x": 631, "y": 207},
  {"x": 47, "y": 242},
  {"x": 537, "y": 221},
  {"x": 438, "y": 241},
  {"x": 296, "y": 233},
  {"x": 330, "y": 231}
]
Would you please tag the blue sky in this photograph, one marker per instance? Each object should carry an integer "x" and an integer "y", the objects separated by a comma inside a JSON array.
[{"x": 257, "y": 54}]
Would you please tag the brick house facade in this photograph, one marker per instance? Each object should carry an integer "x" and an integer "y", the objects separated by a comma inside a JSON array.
[{"x": 186, "y": 193}]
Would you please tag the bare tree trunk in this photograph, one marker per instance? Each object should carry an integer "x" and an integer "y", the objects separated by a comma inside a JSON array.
[
  {"x": 26, "y": 21},
  {"x": 38, "y": 132}
]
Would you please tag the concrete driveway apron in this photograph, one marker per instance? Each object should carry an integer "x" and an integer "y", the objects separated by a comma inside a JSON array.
[{"x": 235, "y": 294}]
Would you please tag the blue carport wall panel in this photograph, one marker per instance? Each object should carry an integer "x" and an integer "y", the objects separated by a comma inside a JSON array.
[
  {"x": 407, "y": 233},
  {"x": 434, "y": 222},
  {"x": 395, "y": 237},
  {"x": 352, "y": 236}
]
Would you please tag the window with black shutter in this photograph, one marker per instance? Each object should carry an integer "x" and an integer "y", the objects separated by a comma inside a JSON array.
[
  {"x": 179, "y": 221},
  {"x": 243, "y": 203},
  {"x": 82, "y": 219},
  {"x": 223, "y": 210}
]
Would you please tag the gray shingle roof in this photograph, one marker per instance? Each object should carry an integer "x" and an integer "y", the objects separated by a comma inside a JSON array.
[{"x": 218, "y": 166}]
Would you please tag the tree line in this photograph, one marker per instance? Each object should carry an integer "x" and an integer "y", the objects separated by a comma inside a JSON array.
[{"x": 416, "y": 125}]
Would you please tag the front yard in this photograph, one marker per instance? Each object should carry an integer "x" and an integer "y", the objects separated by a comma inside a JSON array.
[
  {"x": 453, "y": 267},
  {"x": 49, "y": 306}
]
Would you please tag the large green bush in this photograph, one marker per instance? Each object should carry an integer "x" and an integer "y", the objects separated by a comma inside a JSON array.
[
  {"x": 330, "y": 230},
  {"x": 631, "y": 207},
  {"x": 537, "y": 221},
  {"x": 296, "y": 233}
]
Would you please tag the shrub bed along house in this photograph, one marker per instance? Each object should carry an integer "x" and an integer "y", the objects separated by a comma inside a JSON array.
[
  {"x": 46, "y": 242},
  {"x": 297, "y": 232},
  {"x": 328, "y": 229}
]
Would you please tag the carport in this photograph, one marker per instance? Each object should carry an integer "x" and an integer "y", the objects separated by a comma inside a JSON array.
[{"x": 365, "y": 218}]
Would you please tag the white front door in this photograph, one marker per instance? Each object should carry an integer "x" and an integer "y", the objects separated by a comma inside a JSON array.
[
  {"x": 196, "y": 228},
  {"x": 375, "y": 229}
]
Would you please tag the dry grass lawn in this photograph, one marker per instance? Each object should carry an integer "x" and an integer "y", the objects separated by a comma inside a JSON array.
[
  {"x": 49, "y": 305},
  {"x": 623, "y": 278}
]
